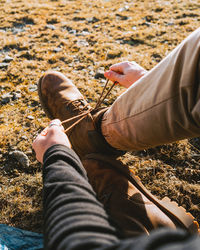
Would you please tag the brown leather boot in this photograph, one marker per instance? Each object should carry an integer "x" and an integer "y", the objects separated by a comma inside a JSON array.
[
  {"x": 61, "y": 99},
  {"x": 132, "y": 208}
]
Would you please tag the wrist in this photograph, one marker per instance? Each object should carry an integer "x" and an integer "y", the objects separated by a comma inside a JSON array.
[{"x": 56, "y": 148}]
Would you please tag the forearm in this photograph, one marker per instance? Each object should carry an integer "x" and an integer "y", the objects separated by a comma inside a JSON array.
[{"x": 73, "y": 218}]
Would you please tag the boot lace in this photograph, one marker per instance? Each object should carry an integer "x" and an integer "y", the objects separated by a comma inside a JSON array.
[{"x": 79, "y": 118}]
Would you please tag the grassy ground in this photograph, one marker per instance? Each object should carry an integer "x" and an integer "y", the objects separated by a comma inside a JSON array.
[{"x": 74, "y": 37}]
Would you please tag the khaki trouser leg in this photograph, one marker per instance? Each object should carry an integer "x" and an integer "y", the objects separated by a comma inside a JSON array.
[{"x": 161, "y": 107}]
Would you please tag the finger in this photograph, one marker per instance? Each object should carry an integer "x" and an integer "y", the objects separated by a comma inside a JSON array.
[
  {"x": 113, "y": 76},
  {"x": 119, "y": 67},
  {"x": 56, "y": 122},
  {"x": 36, "y": 137},
  {"x": 34, "y": 143},
  {"x": 55, "y": 129},
  {"x": 63, "y": 129},
  {"x": 44, "y": 132}
]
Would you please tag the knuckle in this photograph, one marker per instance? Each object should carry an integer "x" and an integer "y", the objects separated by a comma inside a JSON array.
[{"x": 126, "y": 62}]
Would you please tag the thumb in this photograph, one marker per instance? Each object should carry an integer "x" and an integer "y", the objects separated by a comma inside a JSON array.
[
  {"x": 57, "y": 123},
  {"x": 113, "y": 76}
]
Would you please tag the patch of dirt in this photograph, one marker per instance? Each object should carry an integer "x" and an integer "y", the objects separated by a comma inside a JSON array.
[{"x": 74, "y": 37}]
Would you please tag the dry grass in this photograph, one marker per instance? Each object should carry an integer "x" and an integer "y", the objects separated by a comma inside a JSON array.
[{"x": 74, "y": 37}]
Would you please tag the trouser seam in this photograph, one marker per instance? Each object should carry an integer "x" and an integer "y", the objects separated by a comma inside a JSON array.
[{"x": 143, "y": 110}]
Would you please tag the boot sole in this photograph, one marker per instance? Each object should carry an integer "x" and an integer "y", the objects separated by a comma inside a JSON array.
[{"x": 176, "y": 213}]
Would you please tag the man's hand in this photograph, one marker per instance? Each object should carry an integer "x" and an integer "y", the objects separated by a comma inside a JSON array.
[
  {"x": 125, "y": 73},
  {"x": 51, "y": 135}
]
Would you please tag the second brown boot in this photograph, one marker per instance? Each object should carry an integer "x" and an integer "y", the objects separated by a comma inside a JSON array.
[
  {"x": 61, "y": 99},
  {"x": 132, "y": 208}
]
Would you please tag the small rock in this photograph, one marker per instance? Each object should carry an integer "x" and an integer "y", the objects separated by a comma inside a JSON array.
[
  {"x": 83, "y": 43},
  {"x": 52, "y": 21},
  {"x": 20, "y": 157},
  {"x": 65, "y": 26},
  {"x": 148, "y": 24},
  {"x": 6, "y": 98},
  {"x": 17, "y": 30},
  {"x": 28, "y": 124},
  {"x": 77, "y": 18},
  {"x": 121, "y": 17},
  {"x": 29, "y": 152},
  {"x": 30, "y": 117},
  {"x": 99, "y": 73},
  {"x": 24, "y": 137},
  {"x": 56, "y": 68},
  {"x": 113, "y": 55},
  {"x": 149, "y": 18},
  {"x": 85, "y": 33},
  {"x": 170, "y": 24},
  {"x": 34, "y": 103},
  {"x": 50, "y": 26},
  {"x": 16, "y": 96},
  {"x": 103, "y": 81},
  {"x": 125, "y": 8},
  {"x": 92, "y": 20},
  {"x": 58, "y": 49},
  {"x": 7, "y": 59},
  {"x": 91, "y": 72},
  {"x": 4, "y": 65},
  {"x": 32, "y": 88},
  {"x": 158, "y": 9},
  {"x": 72, "y": 32}
]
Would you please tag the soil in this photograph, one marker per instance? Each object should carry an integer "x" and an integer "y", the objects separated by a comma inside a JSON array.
[{"x": 82, "y": 39}]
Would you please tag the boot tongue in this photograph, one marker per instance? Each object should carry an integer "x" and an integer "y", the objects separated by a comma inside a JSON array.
[{"x": 80, "y": 104}]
